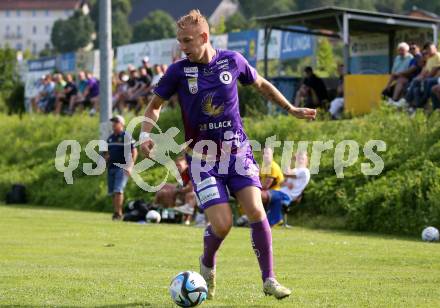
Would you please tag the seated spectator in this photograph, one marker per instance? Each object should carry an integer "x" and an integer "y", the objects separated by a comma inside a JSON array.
[
  {"x": 42, "y": 102},
  {"x": 291, "y": 189},
  {"x": 60, "y": 83},
  {"x": 78, "y": 100},
  {"x": 271, "y": 175},
  {"x": 404, "y": 67},
  {"x": 92, "y": 93},
  {"x": 120, "y": 91},
  {"x": 435, "y": 96},
  {"x": 144, "y": 90},
  {"x": 158, "y": 73},
  {"x": 70, "y": 90},
  {"x": 312, "y": 93},
  {"x": 337, "y": 104},
  {"x": 419, "y": 90},
  {"x": 181, "y": 198},
  {"x": 146, "y": 65}
]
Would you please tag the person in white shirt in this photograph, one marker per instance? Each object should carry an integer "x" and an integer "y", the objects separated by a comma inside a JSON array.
[{"x": 292, "y": 188}]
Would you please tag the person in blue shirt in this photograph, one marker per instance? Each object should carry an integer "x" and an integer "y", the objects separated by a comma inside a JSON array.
[{"x": 117, "y": 176}]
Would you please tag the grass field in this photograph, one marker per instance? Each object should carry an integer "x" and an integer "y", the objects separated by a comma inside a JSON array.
[{"x": 75, "y": 259}]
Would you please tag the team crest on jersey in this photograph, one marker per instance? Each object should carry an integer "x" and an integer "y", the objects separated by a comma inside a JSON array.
[
  {"x": 209, "y": 108},
  {"x": 225, "y": 77},
  {"x": 192, "y": 85}
]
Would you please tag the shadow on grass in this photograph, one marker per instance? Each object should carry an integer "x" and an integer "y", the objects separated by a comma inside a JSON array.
[{"x": 144, "y": 304}]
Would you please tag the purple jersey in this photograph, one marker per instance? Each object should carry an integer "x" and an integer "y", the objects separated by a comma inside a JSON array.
[{"x": 208, "y": 96}]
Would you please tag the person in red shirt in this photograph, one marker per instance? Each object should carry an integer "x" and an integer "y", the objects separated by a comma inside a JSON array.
[{"x": 181, "y": 197}]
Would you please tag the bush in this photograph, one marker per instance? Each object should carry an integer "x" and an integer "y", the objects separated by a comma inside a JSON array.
[{"x": 402, "y": 199}]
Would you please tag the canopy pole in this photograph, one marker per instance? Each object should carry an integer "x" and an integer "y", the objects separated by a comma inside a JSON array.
[
  {"x": 267, "y": 32},
  {"x": 346, "y": 41}
]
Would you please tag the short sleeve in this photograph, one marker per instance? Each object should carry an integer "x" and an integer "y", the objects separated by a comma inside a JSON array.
[
  {"x": 167, "y": 85},
  {"x": 246, "y": 73}
]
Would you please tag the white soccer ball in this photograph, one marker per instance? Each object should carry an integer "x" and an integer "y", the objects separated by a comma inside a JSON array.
[
  {"x": 153, "y": 216},
  {"x": 188, "y": 289},
  {"x": 430, "y": 234}
]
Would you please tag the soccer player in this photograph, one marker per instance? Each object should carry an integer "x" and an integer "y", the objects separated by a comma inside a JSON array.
[{"x": 206, "y": 84}]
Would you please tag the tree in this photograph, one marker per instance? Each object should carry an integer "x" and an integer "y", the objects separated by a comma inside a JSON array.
[
  {"x": 220, "y": 28},
  {"x": 325, "y": 57},
  {"x": 73, "y": 33},
  {"x": 238, "y": 22},
  {"x": 10, "y": 84},
  {"x": 252, "y": 8},
  {"x": 157, "y": 25},
  {"x": 121, "y": 29}
]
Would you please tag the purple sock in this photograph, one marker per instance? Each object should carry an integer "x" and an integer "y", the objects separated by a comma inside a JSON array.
[
  {"x": 262, "y": 243},
  {"x": 211, "y": 244}
]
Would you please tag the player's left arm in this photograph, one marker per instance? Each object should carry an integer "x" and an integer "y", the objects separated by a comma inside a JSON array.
[{"x": 271, "y": 93}]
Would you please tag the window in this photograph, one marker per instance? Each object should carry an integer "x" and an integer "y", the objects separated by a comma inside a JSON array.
[
  {"x": 18, "y": 13},
  {"x": 34, "y": 48},
  {"x": 18, "y": 46},
  {"x": 47, "y": 30},
  {"x": 34, "y": 13},
  {"x": 34, "y": 29},
  {"x": 18, "y": 29},
  {"x": 47, "y": 13},
  {"x": 7, "y": 13}
]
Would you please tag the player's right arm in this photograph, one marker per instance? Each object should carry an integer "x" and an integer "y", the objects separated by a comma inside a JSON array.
[{"x": 152, "y": 112}]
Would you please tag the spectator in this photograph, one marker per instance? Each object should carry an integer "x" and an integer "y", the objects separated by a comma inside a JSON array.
[
  {"x": 312, "y": 92},
  {"x": 399, "y": 72},
  {"x": 119, "y": 94},
  {"x": 117, "y": 178},
  {"x": 435, "y": 96},
  {"x": 144, "y": 90},
  {"x": 419, "y": 90},
  {"x": 79, "y": 98},
  {"x": 337, "y": 104},
  {"x": 164, "y": 68},
  {"x": 92, "y": 93},
  {"x": 271, "y": 175},
  {"x": 60, "y": 83},
  {"x": 181, "y": 198},
  {"x": 42, "y": 101},
  {"x": 158, "y": 73},
  {"x": 146, "y": 65},
  {"x": 290, "y": 191}
]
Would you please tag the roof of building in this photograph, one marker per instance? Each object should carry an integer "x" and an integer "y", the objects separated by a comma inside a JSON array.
[
  {"x": 329, "y": 18},
  {"x": 176, "y": 8},
  {"x": 39, "y": 4}
]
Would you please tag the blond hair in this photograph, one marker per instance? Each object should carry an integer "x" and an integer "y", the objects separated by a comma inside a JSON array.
[{"x": 193, "y": 18}]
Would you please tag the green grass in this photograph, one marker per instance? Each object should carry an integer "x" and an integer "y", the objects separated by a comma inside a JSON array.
[{"x": 69, "y": 258}]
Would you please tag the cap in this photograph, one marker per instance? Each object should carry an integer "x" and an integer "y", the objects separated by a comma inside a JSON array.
[
  {"x": 125, "y": 77},
  {"x": 118, "y": 119},
  {"x": 145, "y": 59}
]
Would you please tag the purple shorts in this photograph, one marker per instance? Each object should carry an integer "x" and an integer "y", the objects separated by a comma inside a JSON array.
[{"x": 213, "y": 181}]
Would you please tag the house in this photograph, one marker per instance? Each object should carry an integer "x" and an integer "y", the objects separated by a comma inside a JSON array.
[
  {"x": 212, "y": 9},
  {"x": 27, "y": 24}
]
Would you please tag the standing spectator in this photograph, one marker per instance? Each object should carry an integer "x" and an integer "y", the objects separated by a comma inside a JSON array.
[
  {"x": 312, "y": 92},
  {"x": 92, "y": 93},
  {"x": 118, "y": 177},
  {"x": 146, "y": 65},
  {"x": 42, "y": 101},
  {"x": 337, "y": 104},
  {"x": 144, "y": 90}
]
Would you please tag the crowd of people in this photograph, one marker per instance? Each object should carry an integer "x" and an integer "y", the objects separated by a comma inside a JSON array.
[
  {"x": 65, "y": 93},
  {"x": 415, "y": 77}
]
